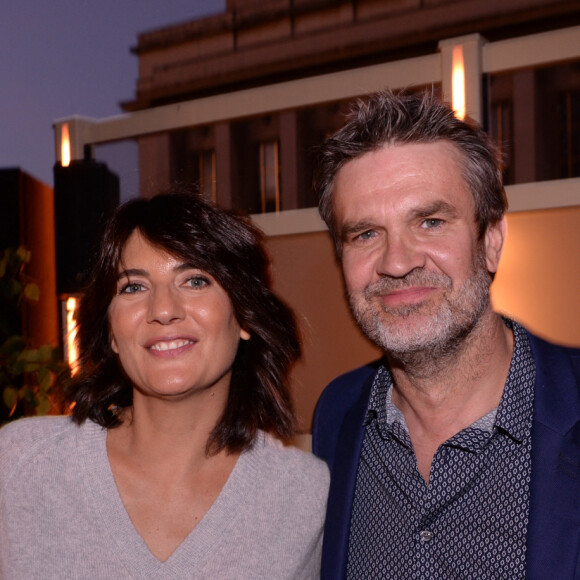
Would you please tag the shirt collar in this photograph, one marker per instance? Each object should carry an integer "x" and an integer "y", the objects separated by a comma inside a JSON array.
[
  {"x": 513, "y": 416},
  {"x": 515, "y": 410}
]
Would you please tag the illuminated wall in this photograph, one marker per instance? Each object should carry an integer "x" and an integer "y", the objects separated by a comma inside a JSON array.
[
  {"x": 538, "y": 281},
  {"x": 538, "y": 284}
]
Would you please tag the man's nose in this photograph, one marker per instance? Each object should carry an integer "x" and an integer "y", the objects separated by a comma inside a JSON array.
[{"x": 399, "y": 255}]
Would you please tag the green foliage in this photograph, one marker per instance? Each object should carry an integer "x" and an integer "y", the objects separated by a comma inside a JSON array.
[{"x": 27, "y": 375}]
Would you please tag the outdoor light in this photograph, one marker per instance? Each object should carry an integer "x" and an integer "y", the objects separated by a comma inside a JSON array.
[
  {"x": 458, "y": 83},
  {"x": 71, "y": 352},
  {"x": 64, "y": 146}
]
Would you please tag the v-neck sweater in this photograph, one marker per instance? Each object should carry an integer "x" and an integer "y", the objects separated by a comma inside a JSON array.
[{"x": 61, "y": 515}]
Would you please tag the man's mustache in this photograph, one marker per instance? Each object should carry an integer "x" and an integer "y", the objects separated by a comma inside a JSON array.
[{"x": 417, "y": 277}]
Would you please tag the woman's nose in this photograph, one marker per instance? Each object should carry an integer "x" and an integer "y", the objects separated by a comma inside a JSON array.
[{"x": 165, "y": 306}]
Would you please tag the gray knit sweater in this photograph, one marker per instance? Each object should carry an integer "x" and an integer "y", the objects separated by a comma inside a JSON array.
[{"x": 61, "y": 515}]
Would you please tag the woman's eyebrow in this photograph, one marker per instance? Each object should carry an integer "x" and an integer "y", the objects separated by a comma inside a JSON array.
[
  {"x": 128, "y": 272},
  {"x": 186, "y": 266},
  {"x": 131, "y": 272}
]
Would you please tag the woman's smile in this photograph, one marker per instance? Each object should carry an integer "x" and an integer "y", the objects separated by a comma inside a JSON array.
[{"x": 172, "y": 324}]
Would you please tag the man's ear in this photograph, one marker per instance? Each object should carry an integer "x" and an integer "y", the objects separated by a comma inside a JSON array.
[{"x": 494, "y": 239}]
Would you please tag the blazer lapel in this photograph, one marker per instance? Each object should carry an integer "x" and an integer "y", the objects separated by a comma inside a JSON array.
[
  {"x": 554, "y": 524},
  {"x": 342, "y": 487}
]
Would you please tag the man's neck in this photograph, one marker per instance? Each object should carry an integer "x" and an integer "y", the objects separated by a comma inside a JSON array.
[{"x": 441, "y": 394}]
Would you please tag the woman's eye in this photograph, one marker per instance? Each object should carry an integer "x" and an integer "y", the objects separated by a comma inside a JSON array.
[
  {"x": 131, "y": 288},
  {"x": 198, "y": 281}
]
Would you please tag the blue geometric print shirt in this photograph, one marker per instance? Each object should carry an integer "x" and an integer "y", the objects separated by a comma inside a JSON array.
[{"x": 471, "y": 521}]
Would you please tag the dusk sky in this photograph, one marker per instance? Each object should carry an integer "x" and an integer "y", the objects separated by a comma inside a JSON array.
[{"x": 68, "y": 57}]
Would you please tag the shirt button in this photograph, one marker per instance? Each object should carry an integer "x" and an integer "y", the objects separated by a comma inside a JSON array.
[{"x": 426, "y": 536}]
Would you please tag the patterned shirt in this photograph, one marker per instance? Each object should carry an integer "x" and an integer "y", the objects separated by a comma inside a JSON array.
[{"x": 471, "y": 520}]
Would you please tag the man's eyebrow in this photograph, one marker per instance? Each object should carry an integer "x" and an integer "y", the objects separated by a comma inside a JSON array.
[
  {"x": 350, "y": 228},
  {"x": 437, "y": 207}
]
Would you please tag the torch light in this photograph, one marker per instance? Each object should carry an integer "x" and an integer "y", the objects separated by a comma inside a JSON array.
[
  {"x": 458, "y": 83},
  {"x": 64, "y": 145}
]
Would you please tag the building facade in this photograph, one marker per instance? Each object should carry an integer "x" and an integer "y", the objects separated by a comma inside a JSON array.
[
  {"x": 262, "y": 163},
  {"x": 235, "y": 103}
]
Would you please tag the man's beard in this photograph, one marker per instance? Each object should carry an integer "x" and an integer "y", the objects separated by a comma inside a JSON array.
[{"x": 428, "y": 329}]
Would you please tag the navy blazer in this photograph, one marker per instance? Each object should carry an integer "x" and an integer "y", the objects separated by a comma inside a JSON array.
[{"x": 553, "y": 545}]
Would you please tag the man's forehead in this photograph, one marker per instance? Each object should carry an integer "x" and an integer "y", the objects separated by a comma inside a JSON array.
[
  {"x": 411, "y": 150},
  {"x": 436, "y": 165}
]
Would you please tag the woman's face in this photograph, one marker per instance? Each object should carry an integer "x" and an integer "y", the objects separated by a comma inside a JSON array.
[{"x": 172, "y": 325}]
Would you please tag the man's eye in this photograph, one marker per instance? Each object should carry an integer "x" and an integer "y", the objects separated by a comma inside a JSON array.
[
  {"x": 431, "y": 223},
  {"x": 366, "y": 235},
  {"x": 131, "y": 288}
]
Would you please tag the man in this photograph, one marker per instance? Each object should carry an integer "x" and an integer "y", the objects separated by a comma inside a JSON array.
[{"x": 458, "y": 454}]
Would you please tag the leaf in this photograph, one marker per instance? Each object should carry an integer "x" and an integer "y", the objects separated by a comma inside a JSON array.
[
  {"x": 23, "y": 254},
  {"x": 43, "y": 406},
  {"x": 32, "y": 292},
  {"x": 45, "y": 353},
  {"x": 10, "y": 396},
  {"x": 30, "y": 367},
  {"x": 13, "y": 346},
  {"x": 29, "y": 355},
  {"x": 44, "y": 378},
  {"x": 27, "y": 394},
  {"x": 14, "y": 288}
]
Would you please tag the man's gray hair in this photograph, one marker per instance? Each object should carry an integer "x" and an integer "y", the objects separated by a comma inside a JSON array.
[{"x": 386, "y": 118}]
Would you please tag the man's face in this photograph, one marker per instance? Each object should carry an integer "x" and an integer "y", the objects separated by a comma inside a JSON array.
[{"x": 416, "y": 275}]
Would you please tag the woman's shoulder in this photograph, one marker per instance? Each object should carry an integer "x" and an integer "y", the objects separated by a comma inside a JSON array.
[
  {"x": 291, "y": 464},
  {"x": 25, "y": 437},
  {"x": 33, "y": 428}
]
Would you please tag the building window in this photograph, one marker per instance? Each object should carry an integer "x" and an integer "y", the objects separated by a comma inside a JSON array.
[
  {"x": 269, "y": 176},
  {"x": 501, "y": 131},
  {"x": 192, "y": 160},
  {"x": 571, "y": 134},
  {"x": 207, "y": 174},
  {"x": 535, "y": 117}
]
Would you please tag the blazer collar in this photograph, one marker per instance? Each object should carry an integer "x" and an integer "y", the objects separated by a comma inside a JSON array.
[
  {"x": 342, "y": 487},
  {"x": 553, "y": 541}
]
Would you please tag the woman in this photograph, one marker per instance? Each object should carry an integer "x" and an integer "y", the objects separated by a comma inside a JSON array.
[{"x": 165, "y": 469}]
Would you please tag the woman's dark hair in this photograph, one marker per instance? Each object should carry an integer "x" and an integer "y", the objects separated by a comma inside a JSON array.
[
  {"x": 229, "y": 248},
  {"x": 386, "y": 118}
]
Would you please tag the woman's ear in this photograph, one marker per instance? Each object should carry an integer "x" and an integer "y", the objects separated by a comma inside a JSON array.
[{"x": 244, "y": 334}]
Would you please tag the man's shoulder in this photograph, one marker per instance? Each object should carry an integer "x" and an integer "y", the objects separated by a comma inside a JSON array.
[
  {"x": 557, "y": 385},
  {"x": 547, "y": 352},
  {"x": 346, "y": 389},
  {"x": 344, "y": 394}
]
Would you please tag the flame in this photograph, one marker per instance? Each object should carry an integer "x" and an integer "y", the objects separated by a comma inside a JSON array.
[
  {"x": 458, "y": 83},
  {"x": 64, "y": 146},
  {"x": 71, "y": 333}
]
